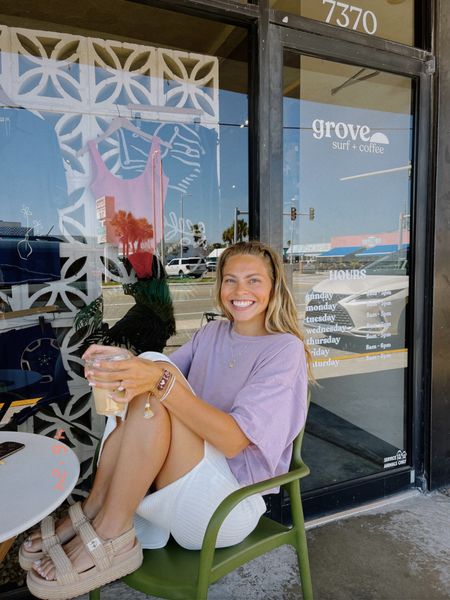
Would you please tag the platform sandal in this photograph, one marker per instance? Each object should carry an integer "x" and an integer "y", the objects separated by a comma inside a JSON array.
[{"x": 110, "y": 559}]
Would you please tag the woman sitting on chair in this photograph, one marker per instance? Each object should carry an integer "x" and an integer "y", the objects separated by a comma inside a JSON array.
[{"x": 221, "y": 413}]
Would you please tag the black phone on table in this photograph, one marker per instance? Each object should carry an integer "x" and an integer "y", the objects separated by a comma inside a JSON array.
[{"x": 8, "y": 448}]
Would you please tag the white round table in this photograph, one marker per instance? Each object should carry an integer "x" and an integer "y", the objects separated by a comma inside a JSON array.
[{"x": 34, "y": 481}]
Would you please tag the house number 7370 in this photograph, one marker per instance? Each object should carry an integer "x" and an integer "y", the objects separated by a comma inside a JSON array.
[{"x": 349, "y": 16}]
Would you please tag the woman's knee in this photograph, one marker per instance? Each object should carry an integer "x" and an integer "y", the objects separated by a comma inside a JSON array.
[
  {"x": 139, "y": 407},
  {"x": 154, "y": 356}
]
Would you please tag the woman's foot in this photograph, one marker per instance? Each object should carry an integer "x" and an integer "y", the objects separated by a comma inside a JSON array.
[
  {"x": 64, "y": 530},
  {"x": 78, "y": 555},
  {"x": 79, "y": 570}
]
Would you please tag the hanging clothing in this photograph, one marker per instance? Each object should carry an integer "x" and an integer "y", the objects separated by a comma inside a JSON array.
[
  {"x": 143, "y": 196},
  {"x": 191, "y": 165},
  {"x": 34, "y": 185},
  {"x": 190, "y": 162}
]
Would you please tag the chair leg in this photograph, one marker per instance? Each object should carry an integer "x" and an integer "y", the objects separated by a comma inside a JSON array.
[
  {"x": 202, "y": 593},
  {"x": 95, "y": 594},
  {"x": 303, "y": 563},
  {"x": 202, "y": 585}
]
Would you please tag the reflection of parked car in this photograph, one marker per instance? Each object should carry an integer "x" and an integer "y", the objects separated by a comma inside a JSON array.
[
  {"x": 193, "y": 266},
  {"x": 364, "y": 303},
  {"x": 211, "y": 263}
]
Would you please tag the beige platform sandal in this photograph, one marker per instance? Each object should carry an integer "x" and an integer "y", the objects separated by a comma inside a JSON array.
[
  {"x": 49, "y": 536},
  {"x": 111, "y": 562}
]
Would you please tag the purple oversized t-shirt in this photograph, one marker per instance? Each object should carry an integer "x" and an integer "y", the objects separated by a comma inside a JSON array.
[{"x": 260, "y": 381}]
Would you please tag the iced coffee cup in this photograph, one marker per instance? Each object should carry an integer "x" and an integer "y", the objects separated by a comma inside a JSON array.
[{"x": 104, "y": 403}]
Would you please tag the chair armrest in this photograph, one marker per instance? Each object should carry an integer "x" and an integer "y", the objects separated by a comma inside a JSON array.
[{"x": 228, "y": 503}]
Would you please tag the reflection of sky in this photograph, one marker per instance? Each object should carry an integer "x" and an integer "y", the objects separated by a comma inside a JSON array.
[
  {"x": 233, "y": 109},
  {"x": 312, "y": 172},
  {"x": 34, "y": 173},
  {"x": 210, "y": 189},
  {"x": 33, "y": 185},
  {"x": 210, "y": 182},
  {"x": 203, "y": 202}
]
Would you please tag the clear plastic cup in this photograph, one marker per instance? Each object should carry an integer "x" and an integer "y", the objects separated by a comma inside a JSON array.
[{"x": 104, "y": 403}]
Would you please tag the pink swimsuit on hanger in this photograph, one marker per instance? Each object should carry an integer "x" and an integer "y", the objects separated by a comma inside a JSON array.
[{"x": 143, "y": 196}]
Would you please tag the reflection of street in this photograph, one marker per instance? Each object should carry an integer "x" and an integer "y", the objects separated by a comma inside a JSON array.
[
  {"x": 190, "y": 300},
  {"x": 193, "y": 299}
]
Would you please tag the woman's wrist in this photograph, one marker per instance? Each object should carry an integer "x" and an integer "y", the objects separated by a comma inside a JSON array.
[{"x": 160, "y": 390}]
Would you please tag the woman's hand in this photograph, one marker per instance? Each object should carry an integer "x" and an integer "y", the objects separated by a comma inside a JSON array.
[{"x": 133, "y": 376}]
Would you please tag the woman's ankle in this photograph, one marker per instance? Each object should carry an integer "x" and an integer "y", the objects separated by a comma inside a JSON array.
[
  {"x": 108, "y": 529},
  {"x": 91, "y": 508}
]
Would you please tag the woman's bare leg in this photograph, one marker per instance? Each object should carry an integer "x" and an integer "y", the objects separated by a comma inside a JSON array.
[
  {"x": 105, "y": 470},
  {"x": 94, "y": 501},
  {"x": 161, "y": 449}
]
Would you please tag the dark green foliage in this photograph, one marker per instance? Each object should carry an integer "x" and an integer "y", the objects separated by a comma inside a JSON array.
[
  {"x": 146, "y": 326},
  {"x": 90, "y": 316}
]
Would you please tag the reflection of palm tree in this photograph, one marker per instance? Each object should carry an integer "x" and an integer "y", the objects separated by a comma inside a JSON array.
[
  {"x": 144, "y": 232},
  {"x": 131, "y": 231},
  {"x": 242, "y": 232},
  {"x": 121, "y": 222}
]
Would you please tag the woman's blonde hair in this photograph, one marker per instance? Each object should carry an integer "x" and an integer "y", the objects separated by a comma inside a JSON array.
[{"x": 281, "y": 314}]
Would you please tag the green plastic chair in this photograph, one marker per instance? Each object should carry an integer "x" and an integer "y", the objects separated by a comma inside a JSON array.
[{"x": 178, "y": 574}]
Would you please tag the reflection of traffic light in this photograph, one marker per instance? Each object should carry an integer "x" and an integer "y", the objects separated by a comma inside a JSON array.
[
  {"x": 293, "y": 213},
  {"x": 311, "y": 214}
]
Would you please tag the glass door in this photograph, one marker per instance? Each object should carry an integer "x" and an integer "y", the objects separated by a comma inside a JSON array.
[{"x": 347, "y": 199}]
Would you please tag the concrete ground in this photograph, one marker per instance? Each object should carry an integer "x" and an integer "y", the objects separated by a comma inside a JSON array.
[{"x": 399, "y": 550}]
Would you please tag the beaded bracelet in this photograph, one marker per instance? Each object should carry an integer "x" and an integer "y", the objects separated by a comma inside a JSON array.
[
  {"x": 169, "y": 389},
  {"x": 164, "y": 385}
]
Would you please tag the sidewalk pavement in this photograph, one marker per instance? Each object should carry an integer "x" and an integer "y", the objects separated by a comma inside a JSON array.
[{"x": 396, "y": 551}]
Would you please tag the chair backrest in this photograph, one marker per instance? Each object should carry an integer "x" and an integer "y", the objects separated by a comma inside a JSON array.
[{"x": 296, "y": 460}]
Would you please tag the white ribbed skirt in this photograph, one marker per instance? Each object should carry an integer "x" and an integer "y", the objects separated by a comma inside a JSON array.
[{"x": 183, "y": 508}]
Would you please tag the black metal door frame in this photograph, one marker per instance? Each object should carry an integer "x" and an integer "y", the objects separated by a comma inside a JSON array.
[{"x": 287, "y": 32}]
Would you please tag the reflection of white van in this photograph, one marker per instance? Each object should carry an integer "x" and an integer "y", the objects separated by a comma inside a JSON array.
[
  {"x": 369, "y": 306},
  {"x": 212, "y": 258},
  {"x": 194, "y": 266}
]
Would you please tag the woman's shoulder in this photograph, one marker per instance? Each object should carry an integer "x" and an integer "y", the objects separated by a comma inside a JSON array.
[
  {"x": 285, "y": 350},
  {"x": 287, "y": 342},
  {"x": 215, "y": 327},
  {"x": 211, "y": 330}
]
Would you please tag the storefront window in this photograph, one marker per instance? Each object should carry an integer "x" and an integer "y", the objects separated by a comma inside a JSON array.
[
  {"x": 348, "y": 137},
  {"x": 388, "y": 19},
  {"x": 124, "y": 154}
]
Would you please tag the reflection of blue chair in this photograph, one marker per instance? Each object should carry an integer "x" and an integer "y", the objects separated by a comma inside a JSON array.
[
  {"x": 178, "y": 574},
  {"x": 12, "y": 381}
]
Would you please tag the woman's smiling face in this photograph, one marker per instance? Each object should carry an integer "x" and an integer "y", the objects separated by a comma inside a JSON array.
[{"x": 245, "y": 292}]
